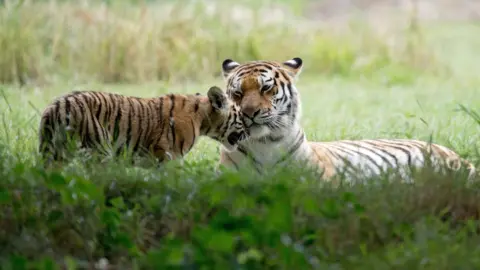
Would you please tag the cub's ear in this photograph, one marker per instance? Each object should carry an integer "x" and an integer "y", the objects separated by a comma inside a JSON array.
[
  {"x": 228, "y": 66},
  {"x": 217, "y": 98},
  {"x": 294, "y": 66}
]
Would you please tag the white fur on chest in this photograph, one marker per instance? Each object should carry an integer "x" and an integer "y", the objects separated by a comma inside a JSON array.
[{"x": 267, "y": 154}]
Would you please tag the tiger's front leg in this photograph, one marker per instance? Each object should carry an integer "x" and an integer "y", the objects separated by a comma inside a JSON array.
[{"x": 163, "y": 154}]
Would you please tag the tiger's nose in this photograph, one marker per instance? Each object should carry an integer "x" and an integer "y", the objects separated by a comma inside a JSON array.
[{"x": 250, "y": 111}]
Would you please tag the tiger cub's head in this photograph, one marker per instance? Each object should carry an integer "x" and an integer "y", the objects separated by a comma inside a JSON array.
[
  {"x": 266, "y": 94},
  {"x": 223, "y": 122}
]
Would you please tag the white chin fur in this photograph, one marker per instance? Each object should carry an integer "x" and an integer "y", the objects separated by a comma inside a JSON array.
[{"x": 259, "y": 131}]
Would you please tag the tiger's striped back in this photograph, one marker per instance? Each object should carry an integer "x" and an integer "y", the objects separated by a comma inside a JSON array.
[
  {"x": 367, "y": 158},
  {"x": 166, "y": 127}
]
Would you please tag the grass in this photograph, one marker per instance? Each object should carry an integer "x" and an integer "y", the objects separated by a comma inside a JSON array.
[
  {"x": 185, "y": 215},
  {"x": 174, "y": 41}
]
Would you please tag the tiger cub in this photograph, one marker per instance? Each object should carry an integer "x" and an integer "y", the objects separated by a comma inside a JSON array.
[{"x": 164, "y": 127}]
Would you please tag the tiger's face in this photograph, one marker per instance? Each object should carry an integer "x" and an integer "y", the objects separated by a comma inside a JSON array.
[
  {"x": 224, "y": 121},
  {"x": 265, "y": 94}
]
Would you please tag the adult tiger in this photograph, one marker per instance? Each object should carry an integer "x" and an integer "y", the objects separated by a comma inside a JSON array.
[
  {"x": 271, "y": 109},
  {"x": 165, "y": 126}
]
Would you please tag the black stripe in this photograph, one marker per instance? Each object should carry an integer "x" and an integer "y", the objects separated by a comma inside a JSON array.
[
  {"x": 241, "y": 73},
  {"x": 368, "y": 157},
  {"x": 152, "y": 124},
  {"x": 160, "y": 120},
  {"x": 101, "y": 122},
  {"x": 118, "y": 119},
  {"x": 374, "y": 150},
  {"x": 183, "y": 103},
  {"x": 89, "y": 142},
  {"x": 107, "y": 100},
  {"x": 93, "y": 136},
  {"x": 57, "y": 106},
  {"x": 348, "y": 165},
  {"x": 67, "y": 112},
  {"x": 80, "y": 120},
  {"x": 128, "y": 135},
  {"x": 232, "y": 111},
  {"x": 400, "y": 147},
  {"x": 289, "y": 109},
  {"x": 269, "y": 67},
  {"x": 149, "y": 115},
  {"x": 294, "y": 103},
  {"x": 197, "y": 103},
  {"x": 335, "y": 155},
  {"x": 141, "y": 130},
  {"x": 99, "y": 106},
  {"x": 101, "y": 136},
  {"x": 96, "y": 132},
  {"x": 138, "y": 119},
  {"x": 56, "y": 118},
  {"x": 207, "y": 131},
  {"x": 194, "y": 135},
  {"x": 244, "y": 151},
  {"x": 172, "y": 120},
  {"x": 182, "y": 144},
  {"x": 106, "y": 116},
  {"x": 424, "y": 149},
  {"x": 290, "y": 90},
  {"x": 46, "y": 132},
  {"x": 283, "y": 73},
  {"x": 87, "y": 97},
  {"x": 374, "y": 146},
  {"x": 361, "y": 154},
  {"x": 145, "y": 129},
  {"x": 90, "y": 102},
  {"x": 73, "y": 114},
  {"x": 300, "y": 139},
  {"x": 227, "y": 124}
]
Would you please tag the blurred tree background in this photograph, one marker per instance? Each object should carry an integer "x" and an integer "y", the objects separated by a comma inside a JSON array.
[{"x": 137, "y": 41}]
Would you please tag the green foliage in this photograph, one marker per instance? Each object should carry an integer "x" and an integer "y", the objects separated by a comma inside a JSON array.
[{"x": 183, "y": 217}]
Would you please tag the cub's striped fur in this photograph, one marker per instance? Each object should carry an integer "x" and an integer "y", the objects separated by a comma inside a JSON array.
[
  {"x": 271, "y": 111},
  {"x": 166, "y": 126}
]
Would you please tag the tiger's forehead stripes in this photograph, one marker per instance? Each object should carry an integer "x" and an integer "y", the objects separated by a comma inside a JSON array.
[
  {"x": 263, "y": 69},
  {"x": 250, "y": 84}
]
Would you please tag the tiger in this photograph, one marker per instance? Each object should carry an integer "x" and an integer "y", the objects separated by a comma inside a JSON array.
[
  {"x": 165, "y": 127},
  {"x": 271, "y": 110}
]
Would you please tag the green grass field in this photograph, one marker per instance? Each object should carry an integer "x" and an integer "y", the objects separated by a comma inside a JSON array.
[{"x": 186, "y": 215}]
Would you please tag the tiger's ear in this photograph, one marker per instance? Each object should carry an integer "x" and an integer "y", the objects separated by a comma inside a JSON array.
[
  {"x": 217, "y": 98},
  {"x": 228, "y": 66},
  {"x": 294, "y": 66}
]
